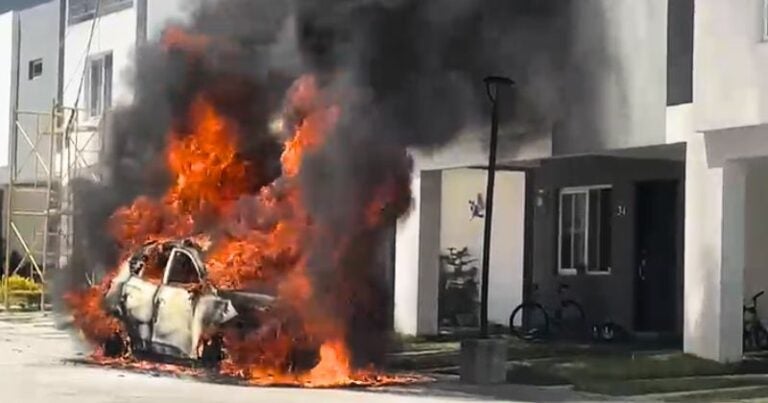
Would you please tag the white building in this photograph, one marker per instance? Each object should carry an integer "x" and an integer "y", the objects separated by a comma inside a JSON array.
[
  {"x": 100, "y": 43},
  {"x": 29, "y": 77},
  {"x": 682, "y": 128},
  {"x": 674, "y": 146},
  {"x": 75, "y": 54}
]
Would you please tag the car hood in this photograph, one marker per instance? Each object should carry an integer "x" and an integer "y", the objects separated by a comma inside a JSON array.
[{"x": 244, "y": 300}]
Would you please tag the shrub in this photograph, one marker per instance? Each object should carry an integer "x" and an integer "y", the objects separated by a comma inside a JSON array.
[
  {"x": 23, "y": 284},
  {"x": 22, "y": 291}
]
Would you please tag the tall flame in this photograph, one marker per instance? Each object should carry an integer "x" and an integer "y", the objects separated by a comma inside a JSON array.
[{"x": 254, "y": 239}]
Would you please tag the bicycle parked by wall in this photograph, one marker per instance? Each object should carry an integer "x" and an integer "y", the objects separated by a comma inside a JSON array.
[
  {"x": 755, "y": 335},
  {"x": 531, "y": 321}
]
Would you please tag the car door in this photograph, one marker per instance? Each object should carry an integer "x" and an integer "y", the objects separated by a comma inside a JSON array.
[
  {"x": 174, "y": 306},
  {"x": 138, "y": 294}
]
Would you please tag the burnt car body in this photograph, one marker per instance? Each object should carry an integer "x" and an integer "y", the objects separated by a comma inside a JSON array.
[{"x": 168, "y": 308}]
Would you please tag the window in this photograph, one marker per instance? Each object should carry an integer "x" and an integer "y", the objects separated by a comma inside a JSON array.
[
  {"x": 35, "y": 68},
  {"x": 584, "y": 234},
  {"x": 680, "y": 18},
  {"x": 182, "y": 270},
  {"x": 99, "y": 95},
  {"x": 83, "y": 10}
]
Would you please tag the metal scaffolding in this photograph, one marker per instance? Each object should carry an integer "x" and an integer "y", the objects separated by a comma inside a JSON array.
[{"x": 47, "y": 151}]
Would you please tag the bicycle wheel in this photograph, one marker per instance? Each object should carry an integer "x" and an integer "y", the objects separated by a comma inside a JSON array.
[
  {"x": 761, "y": 338},
  {"x": 572, "y": 321},
  {"x": 529, "y": 321}
]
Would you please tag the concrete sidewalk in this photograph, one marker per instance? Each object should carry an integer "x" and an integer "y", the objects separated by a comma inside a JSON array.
[{"x": 33, "y": 368}]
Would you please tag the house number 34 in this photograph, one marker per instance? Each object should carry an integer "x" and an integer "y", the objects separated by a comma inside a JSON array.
[{"x": 621, "y": 211}]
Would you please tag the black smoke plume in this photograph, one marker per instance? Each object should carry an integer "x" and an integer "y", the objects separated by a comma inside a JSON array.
[{"x": 405, "y": 73}]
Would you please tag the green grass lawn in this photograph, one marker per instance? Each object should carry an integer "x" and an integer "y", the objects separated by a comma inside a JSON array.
[
  {"x": 641, "y": 374},
  {"x": 723, "y": 395},
  {"x": 639, "y": 367},
  {"x": 669, "y": 385},
  {"x": 437, "y": 352},
  {"x": 610, "y": 369}
]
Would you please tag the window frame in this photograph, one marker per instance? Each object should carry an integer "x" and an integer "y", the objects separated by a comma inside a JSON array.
[
  {"x": 169, "y": 266},
  {"x": 596, "y": 271},
  {"x": 31, "y": 66},
  {"x": 102, "y": 58},
  {"x": 574, "y": 190}
]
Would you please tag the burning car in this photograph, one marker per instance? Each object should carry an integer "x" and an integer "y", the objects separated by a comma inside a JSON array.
[{"x": 169, "y": 309}]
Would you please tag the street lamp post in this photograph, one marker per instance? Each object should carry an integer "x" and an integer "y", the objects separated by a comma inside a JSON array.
[{"x": 493, "y": 85}]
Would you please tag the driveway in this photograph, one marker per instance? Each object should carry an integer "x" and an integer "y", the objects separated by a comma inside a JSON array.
[{"x": 36, "y": 366}]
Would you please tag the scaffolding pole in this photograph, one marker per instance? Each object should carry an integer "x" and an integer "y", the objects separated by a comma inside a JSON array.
[{"x": 48, "y": 150}]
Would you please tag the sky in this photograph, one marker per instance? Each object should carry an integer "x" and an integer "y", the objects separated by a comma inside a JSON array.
[{"x": 6, "y": 5}]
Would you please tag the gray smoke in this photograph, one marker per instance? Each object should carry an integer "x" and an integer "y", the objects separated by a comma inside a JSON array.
[
  {"x": 405, "y": 74},
  {"x": 409, "y": 74}
]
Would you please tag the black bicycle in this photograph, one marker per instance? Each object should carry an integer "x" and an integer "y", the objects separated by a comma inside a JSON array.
[
  {"x": 755, "y": 335},
  {"x": 530, "y": 320}
]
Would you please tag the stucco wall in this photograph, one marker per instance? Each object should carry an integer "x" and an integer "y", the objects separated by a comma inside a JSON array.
[
  {"x": 39, "y": 40},
  {"x": 730, "y": 59},
  {"x": 724, "y": 237},
  {"x": 614, "y": 91},
  {"x": 458, "y": 230},
  {"x": 616, "y": 83},
  {"x": 439, "y": 218},
  {"x": 416, "y": 258},
  {"x": 602, "y": 296},
  {"x": 114, "y": 32},
  {"x": 6, "y": 81},
  {"x": 703, "y": 253},
  {"x": 680, "y": 125}
]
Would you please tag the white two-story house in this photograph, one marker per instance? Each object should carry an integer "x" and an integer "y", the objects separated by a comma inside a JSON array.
[{"x": 645, "y": 197}]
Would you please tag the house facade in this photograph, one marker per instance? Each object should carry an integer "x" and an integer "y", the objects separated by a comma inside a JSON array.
[
  {"x": 644, "y": 197},
  {"x": 613, "y": 123},
  {"x": 28, "y": 92},
  {"x": 29, "y": 81},
  {"x": 64, "y": 58}
]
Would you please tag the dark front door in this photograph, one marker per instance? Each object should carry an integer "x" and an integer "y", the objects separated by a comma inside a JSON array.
[{"x": 656, "y": 256}]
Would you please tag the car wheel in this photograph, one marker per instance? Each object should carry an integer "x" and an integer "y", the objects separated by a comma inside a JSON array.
[
  {"x": 213, "y": 352},
  {"x": 303, "y": 359},
  {"x": 115, "y": 346}
]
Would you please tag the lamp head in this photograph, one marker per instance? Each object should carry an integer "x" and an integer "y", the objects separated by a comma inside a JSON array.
[{"x": 498, "y": 80}]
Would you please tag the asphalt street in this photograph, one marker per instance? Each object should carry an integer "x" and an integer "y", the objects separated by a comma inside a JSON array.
[{"x": 36, "y": 365}]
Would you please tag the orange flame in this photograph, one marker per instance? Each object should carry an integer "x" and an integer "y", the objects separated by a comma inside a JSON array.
[
  {"x": 208, "y": 174},
  {"x": 211, "y": 189},
  {"x": 89, "y": 316},
  {"x": 333, "y": 368}
]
